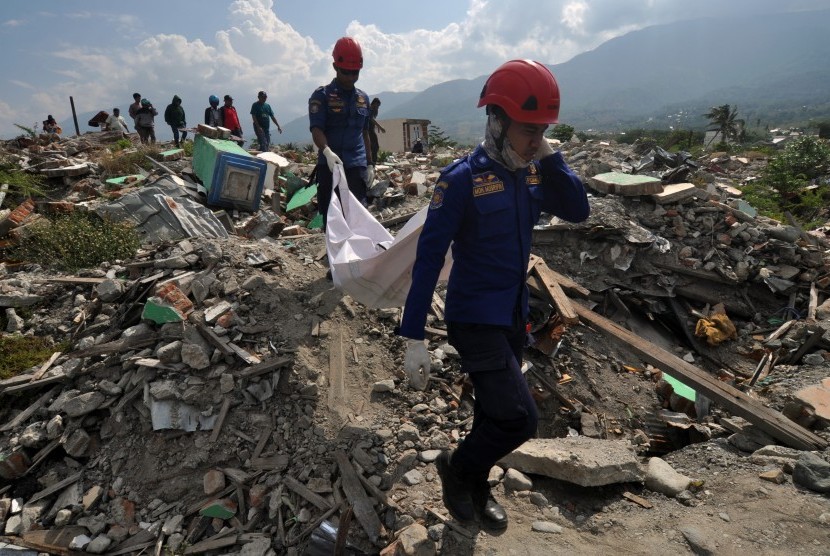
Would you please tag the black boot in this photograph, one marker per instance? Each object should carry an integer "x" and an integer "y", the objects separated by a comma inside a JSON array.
[
  {"x": 491, "y": 513},
  {"x": 456, "y": 489}
]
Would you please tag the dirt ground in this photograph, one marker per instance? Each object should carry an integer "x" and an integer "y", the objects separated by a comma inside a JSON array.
[
  {"x": 325, "y": 401},
  {"x": 734, "y": 512}
]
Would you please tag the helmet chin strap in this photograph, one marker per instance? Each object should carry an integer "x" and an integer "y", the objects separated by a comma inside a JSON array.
[{"x": 497, "y": 145}]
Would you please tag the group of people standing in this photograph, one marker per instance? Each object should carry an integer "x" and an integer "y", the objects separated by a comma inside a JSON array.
[{"x": 143, "y": 114}]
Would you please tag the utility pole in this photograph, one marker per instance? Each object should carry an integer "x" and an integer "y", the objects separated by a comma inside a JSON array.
[{"x": 74, "y": 115}]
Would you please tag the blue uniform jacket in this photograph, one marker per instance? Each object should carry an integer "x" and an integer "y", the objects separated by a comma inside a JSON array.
[
  {"x": 488, "y": 214},
  {"x": 343, "y": 116}
]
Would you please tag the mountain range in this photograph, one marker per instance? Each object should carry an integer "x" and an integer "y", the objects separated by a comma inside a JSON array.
[{"x": 774, "y": 68}]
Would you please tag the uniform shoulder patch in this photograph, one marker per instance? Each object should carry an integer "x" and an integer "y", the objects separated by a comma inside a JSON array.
[{"x": 438, "y": 195}]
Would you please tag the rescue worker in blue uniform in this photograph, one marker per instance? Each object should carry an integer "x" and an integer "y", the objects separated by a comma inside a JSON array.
[
  {"x": 485, "y": 205},
  {"x": 339, "y": 116}
]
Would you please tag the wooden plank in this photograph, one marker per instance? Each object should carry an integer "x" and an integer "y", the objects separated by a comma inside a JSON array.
[
  {"x": 572, "y": 288},
  {"x": 214, "y": 339},
  {"x": 73, "y": 280},
  {"x": 50, "y": 541},
  {"x": 45, "y": 367},
  {"x": 337, "y": 367},
  {"x": 739, "y": 403},
  {"x": 244, "y": 355},
  {"x": 60, "y": 485},
  {"x": 560, "y": 300},
  {"x": 813, "y": 305},
  {"x": 37, "y": 384},
  {"x": 217, "y": 427},
  {"x": 29, "y": 411},
  {"x": 362, "y": 505},
  {"x": 639, "y": 500},
  {"x": 278, "y": 462},
  {"x": 211, "y": 544},
  {"x": 264, "y": 436},
  {"x": 304, "y": 491},
  {"x": 266, "y": 367},
  {"x": 114, "y": 347}
]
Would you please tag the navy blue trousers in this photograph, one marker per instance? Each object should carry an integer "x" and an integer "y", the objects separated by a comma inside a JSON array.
[
  {"x": 355, "y": 177},
  {"x": 505, "y": 414}
]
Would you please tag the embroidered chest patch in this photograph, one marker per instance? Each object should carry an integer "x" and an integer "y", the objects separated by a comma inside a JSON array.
[
  {"x": 438, "y": 195},
  {"x": 486, "y": 184},
  {"x": 532, "y": 176}
]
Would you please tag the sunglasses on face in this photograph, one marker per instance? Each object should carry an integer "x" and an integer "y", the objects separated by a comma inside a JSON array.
[{"x": 348, "y": 72}]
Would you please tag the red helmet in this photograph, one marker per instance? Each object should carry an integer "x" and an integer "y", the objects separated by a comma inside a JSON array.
[
  {"x": 525, "y": 89},
  {"x": 347, "y": 54}
]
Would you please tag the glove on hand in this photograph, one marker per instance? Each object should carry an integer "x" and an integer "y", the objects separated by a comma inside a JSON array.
[
  {"x": 370, "y": 176},
  {"x": 545, "y": 150},
  {"x": 417, "y": 363},
  {"x": 331, "y": 159}
]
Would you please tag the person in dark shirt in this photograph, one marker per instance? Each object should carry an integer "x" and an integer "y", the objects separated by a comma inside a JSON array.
[{"x": 339, "y": 116}]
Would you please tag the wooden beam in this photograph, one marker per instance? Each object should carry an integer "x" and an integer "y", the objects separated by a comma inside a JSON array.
[
  {"x": 572, "y": 288},
  {"x": 563, "y": 305},
  {"x": 766, "y": 419},
  {"x": 361, "y": 503}
]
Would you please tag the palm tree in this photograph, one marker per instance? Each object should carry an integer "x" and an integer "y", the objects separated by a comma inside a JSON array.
[{"x": 725, "y": 120}]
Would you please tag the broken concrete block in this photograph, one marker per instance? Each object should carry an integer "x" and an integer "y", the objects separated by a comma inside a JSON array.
[
  {"x": 15, "y": 323},
  {"x": 661, "y": 477},
  {"x": 99, "y": 544},
  {"x": 13, "y": 463},
  {"x": 170, "y": 353},
  {"x": 172, "y": 154},
  {"x": 92, "y": 497},
  {"x": 16, "y": 217},
  {"x": 77, "y": 443},
  {"x": 109, "y": 290},
  {"x": 79, "y": 543},
  {"x": 83, "y": 404},
  {"x": 628, "y": 185},
  {"x": 213, "y": 481},
  {"x": 579, "y": 460},
  {"x": 517, "y": 481},
  {"x": 677, "y": 193},
  {"x": 776, "y": 476},
  {"x": 817, "y": 397},
  {"x": 195, "y": 356}
]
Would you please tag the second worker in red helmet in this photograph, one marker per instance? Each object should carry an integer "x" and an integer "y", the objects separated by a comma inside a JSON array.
[
  {"x": 485, "y": 205},
  {"x": 339, "y": 117}
]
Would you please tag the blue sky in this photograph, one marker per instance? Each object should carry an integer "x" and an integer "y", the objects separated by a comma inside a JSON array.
[{"x": 100, "y": 52}]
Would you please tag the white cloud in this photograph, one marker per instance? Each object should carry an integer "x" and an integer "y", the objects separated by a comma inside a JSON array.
[
  {"x": 22, "y": 84},
  {"x": 13, "y": 22},
  {"x": 254, "y": 49}
]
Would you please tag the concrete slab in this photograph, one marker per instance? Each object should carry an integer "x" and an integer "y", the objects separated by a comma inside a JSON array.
[
  {"x": 817, "y": 397},
  {"x": 580, "y": 460},
  {"x": 628, "y": 185},
  {"x": 678, "y": 192}
]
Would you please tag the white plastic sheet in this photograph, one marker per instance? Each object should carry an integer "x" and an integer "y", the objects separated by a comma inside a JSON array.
[{"x": 366, "y": 261}]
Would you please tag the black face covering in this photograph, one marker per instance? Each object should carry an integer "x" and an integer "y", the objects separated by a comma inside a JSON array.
[{"x": 498, "y": 146}]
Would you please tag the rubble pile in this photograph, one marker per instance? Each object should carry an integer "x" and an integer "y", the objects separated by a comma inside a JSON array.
[{"x": 215, "y": 394}]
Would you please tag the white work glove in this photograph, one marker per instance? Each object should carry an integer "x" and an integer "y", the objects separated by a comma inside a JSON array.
[
  {"x": 416, "y": 363},
  {"x": 331, "y": 159},
  {"x": 545, "y": 150},
  {"x": 370, "y": 175}
]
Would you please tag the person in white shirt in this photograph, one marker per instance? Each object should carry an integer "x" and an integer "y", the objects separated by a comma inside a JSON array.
[{"x": 116, "y": 122}]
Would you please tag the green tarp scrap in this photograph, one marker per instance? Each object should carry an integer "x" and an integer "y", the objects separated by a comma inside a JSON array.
[
  {"x": 316, "y": 222},
  {"x": 301, "y": 197},
  {"x": 137, "y": 178},
  {"x": 679, "y": 388},
  {"x": 160, "y": 312}
]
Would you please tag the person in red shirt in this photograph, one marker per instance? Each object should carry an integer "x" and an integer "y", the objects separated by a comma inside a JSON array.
[{"x": 231, "y": 119}]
